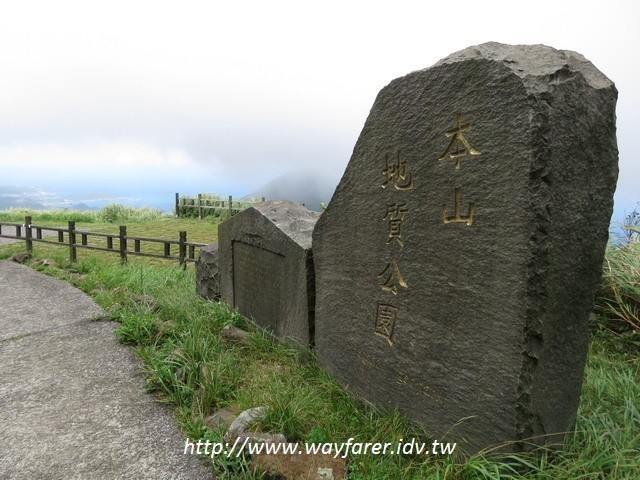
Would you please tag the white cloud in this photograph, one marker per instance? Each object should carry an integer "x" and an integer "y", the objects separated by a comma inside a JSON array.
[
  {"x": 101, "y": 156},
  {"x": 248, "y": 90},
  {"x": 103, "y": 166}
]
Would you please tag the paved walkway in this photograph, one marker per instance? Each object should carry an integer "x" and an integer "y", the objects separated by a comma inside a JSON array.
[{"x": 72, "y": 400}]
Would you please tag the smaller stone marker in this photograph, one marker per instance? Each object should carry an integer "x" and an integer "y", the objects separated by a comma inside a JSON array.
[
  {"x": 458, "y": 259},
  {"x": 208, "y": 273},
  {"x": 266, "y": 268}
]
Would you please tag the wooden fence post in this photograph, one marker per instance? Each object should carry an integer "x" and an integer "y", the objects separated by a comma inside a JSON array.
[
  {"x": 230, "y": 202},
  {"x": 123, "y": 244},
  {"x": 177, "y": 205},
  {"x": 28, "y": 234},
  {"x": 72, "y": 242},
  {"x": 183, "y": 249},
  {"x": 199, "y": 206}
]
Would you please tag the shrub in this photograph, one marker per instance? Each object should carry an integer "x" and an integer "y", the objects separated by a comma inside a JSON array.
[
  {"x": 619, "y": 296},
  {"x": 115, "y": 212}
]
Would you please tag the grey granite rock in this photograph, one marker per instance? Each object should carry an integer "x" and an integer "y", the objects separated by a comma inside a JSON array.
[
  {"x": 457, "y": 261},
  {"x": 266, "y": 268},
  {"x": 244, "y": 421},
  {"x": 208, "y": 273}
]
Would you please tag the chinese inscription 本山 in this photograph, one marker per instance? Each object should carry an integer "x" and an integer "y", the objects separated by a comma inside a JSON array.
[{"x": 458, "y": 148}]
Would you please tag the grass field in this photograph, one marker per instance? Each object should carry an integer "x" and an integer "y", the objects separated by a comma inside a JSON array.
[
  {"x": 189, "y": 363},
  {"x": 139, "y": 223}
]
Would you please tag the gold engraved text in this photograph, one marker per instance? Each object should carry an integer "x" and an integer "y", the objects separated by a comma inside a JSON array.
[
  {"x": 456, "y": 217},
  {"x": 395, "y": 215},
  {"x": 386, "y": 321},
  {"x": 459, "y": 146},
  {"x": 397, "y": 173},
  {"x": 393, "y": 277}
]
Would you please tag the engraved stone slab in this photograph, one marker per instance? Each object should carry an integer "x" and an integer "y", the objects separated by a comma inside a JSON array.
[
  {"x": 266, "y": 268},
  {"x": 258, "y": 276},
  {"x": 457, "y": 261}
]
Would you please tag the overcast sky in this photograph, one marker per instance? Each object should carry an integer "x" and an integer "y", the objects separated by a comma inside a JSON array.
[{"x": 223, "y": 96}]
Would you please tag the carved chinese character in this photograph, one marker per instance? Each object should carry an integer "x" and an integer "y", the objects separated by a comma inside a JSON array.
[
  {"x": 456, "y": 217},
  {"x": 395, "y": 215},
  {"x": 386, "y": 321},
  {"x": 397, "y": 173},
  {"x": 393, "y": 278},
  {"x": 458, "y": 140}
]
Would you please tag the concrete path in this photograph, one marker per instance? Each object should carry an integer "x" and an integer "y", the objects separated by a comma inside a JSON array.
[{"x": 72, "y": 400}]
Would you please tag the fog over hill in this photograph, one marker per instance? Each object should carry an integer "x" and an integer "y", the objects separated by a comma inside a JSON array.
[{"x": 308, "y": 186}]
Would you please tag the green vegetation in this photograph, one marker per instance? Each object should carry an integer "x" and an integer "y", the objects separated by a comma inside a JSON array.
[
  {"x": 618, "y": 301},
  {"x": 111, "y": 213},
  {"x": 197, "y": 371},
  {"x": 188, "y": 206},
  {"x": 140, "y": 222},
  {"x": 619, "y": 298}
]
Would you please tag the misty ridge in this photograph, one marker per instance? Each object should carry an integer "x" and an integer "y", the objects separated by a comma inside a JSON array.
[{"x": 308, "y": 186}]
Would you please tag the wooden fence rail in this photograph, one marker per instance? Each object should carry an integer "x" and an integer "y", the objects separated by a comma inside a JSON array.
[
  {"x": 201, "y": 204},
  {"x": 185, "y": 249}
]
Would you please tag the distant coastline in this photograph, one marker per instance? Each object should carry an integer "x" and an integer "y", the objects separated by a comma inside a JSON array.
[{"x": 43, "y": 199}]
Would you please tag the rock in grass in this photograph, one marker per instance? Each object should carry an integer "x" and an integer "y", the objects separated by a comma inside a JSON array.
[
  {"x": 47, "y": 262},
  {"x": 300, "y": 466},
  {"x": 146, "y": 300},
  {"x": 231, "y": 332},
  {"x": 260, "y": 437},
  {"x": 208, "y": 273},
  {"x": 20, "y": 257},
  {"x": 221, "y": 418},
  {"x": 243, "y": 422}
]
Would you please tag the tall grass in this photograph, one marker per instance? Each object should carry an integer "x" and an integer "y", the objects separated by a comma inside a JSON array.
[
  {"x": 190, "y": 209},
  {"x": 112, "y": 213},
  {"x": 619, "y": 296},
  {"x": 17, "y": 214}
]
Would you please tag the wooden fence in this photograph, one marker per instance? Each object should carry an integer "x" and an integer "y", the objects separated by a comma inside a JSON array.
[
  {"x": 201, "y": 204},
  {"x": 185, "y": 249}
]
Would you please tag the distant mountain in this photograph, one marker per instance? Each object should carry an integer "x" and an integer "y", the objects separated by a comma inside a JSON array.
[
  {"x": 306, "y": 186},
  {"x": 13, "y": 201}
]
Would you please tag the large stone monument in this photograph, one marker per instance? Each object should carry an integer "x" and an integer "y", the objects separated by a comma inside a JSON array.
[
  {"x": 457, "y": 261},
  {"x": 266, "y": 268}
]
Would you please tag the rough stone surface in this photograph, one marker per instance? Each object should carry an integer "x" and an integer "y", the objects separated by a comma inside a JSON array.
[
  {"x": 72, "y": 398},
  {"x": 231, "y": 332},
  {"x": 266, "y": 268},
  {"x": 20, "y": 257},
  {"x": 243, "y": 422},
  {"x": 221, "y": 418},
  {"x": 208, "y": 273},
  {"x": 457, "y": 261},
  {"x": 301, "y": 467},
  {"x": 260, "y": 437}
]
